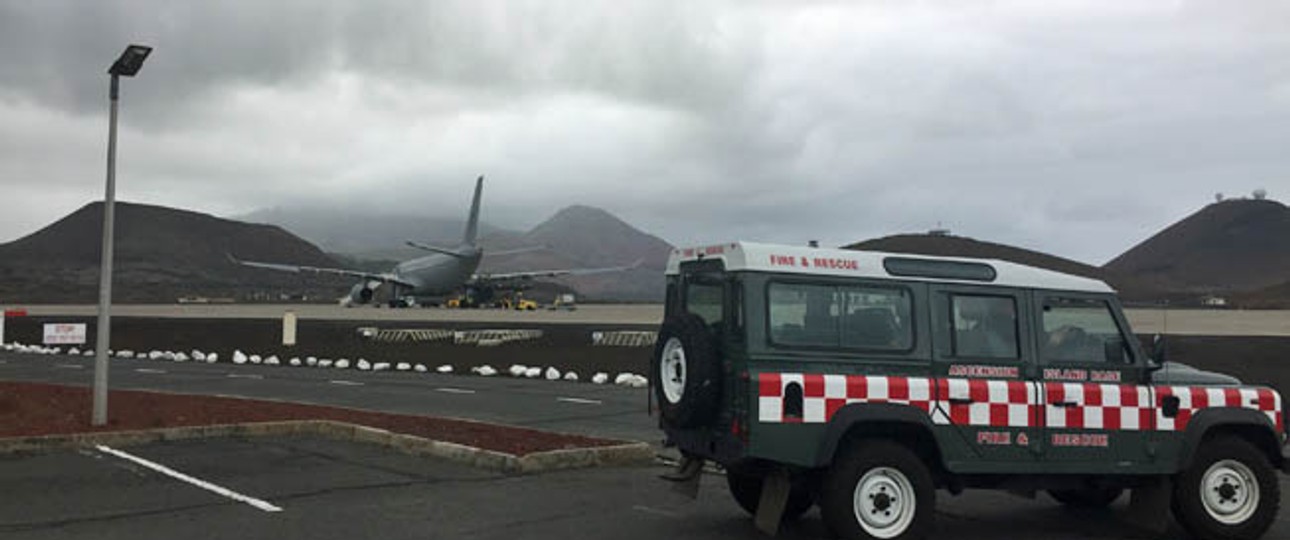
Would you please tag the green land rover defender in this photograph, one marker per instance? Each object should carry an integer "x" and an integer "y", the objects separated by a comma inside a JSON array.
[{"x": 866, "y": 382}]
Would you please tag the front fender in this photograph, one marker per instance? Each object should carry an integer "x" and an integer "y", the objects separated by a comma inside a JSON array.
[{"x": 1251, "y": 424}]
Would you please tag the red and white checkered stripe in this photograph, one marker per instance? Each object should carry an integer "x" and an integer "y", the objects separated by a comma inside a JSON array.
[
  {"x": 1008, "y": 403},
  {"x": 823, "y": 395},
  {"x": 1098, "y": 406},
  {"x": 1191, "y": 399},
  {"x": 987, "y": 403}
]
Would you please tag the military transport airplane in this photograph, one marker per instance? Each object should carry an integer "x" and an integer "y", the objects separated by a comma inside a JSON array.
[{"x": 445, "y": 271}]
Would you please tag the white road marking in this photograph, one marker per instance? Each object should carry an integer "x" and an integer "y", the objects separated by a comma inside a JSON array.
[
  {"x": 69, "y": 366},
  {"x": 347, "y": 383},
  {"x": 149, "y": 370},
  {"x": 244, "y": 376},
  {"x": 579, "y": 400},
  {"x": 262, "y": 505},
  {"x": 454, "y": 390}
]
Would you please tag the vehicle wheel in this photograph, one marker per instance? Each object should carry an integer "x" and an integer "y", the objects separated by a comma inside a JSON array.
[
  {"x": 746, "y": 489},
  {"x": 1229, "y": 493},
  {"x": 685, "y": 371},
  {"x": 1089, "y": 497},
  {"x": 878, "y": 489}
]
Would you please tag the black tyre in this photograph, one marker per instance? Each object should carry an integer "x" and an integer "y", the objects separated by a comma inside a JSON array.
[
  {"x": 1090, "y": 497},
  {"x": 1230, "y": 492},
  {"x": 685, "y": 371},
  {"x": 745, "y": 487},
  {"x": 878, "y": 489}
]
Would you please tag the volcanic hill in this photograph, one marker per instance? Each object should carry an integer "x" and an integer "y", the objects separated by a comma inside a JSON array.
[
  {"x": 1228, "y": 246},
  {"x": 161, "y": 254}
]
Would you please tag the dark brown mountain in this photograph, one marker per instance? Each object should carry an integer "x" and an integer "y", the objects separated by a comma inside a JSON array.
[
  {"x": 161, "y": 254},
  {"x": 1228, "y": 246},
  {"x": 586, "y": 237},
  {"x": 957, "y": 246}
]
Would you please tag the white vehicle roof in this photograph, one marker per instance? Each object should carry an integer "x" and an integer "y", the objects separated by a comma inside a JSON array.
[{"x": 756, "y": 257}]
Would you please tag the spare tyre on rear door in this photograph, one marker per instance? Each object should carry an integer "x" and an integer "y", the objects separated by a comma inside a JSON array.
[{"x": 686, "y": 371}]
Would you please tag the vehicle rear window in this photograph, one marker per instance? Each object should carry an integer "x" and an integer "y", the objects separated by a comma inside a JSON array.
[
  {"x": 704, "y": 298},
  {"x": 850, "y": 317}
]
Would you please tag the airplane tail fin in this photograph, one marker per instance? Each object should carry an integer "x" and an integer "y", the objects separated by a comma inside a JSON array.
[{"x": 472, "y": 223}]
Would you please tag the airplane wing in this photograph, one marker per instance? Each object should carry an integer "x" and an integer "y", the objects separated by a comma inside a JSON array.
[
  {"x": 382, "y": 277},
  {"x": 530, "y": 274}
]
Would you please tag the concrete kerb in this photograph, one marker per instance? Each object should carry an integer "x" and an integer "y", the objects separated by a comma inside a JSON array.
[{"x": 573, "y": 458}]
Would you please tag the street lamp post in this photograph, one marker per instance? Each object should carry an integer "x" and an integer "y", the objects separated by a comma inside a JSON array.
[{"x": 125, "y": 66}]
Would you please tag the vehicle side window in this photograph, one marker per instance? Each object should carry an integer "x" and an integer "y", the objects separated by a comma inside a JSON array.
[
  {"x": 984, "y": 326},
  {"x": 848, "y": 317},
  {"x": 1081, "y": 330}
]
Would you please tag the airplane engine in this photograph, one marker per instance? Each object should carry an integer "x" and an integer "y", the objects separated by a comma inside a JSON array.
[{"x": 361, "y": 293}]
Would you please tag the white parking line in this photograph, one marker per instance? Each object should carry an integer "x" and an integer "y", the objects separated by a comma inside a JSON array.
[
  {"x": 69, "y": 366},
  {"x": 149, "y": 370},
  {"x": 347, "y": 383},
  {"x": 579, "y": 400},
  {"x": 244, "y": 376},
  {"x": 454, "y": 390},
  {"x": 262, "y": 505}
]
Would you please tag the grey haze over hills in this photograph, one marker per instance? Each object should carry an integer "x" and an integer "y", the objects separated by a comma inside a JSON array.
[{"x": 575, "y": 237}]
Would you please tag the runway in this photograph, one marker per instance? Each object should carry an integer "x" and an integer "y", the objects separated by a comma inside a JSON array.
[{"x": 1193, "y": 322}]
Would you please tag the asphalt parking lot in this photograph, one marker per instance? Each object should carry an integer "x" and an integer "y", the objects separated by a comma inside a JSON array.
[{"x": 327, "y": 489}]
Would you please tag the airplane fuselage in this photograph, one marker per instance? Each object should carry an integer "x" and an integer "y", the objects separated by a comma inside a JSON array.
[{"x": 438, "y": 274}]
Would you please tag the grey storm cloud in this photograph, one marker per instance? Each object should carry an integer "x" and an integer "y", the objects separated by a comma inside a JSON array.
[{"x": 1077, "y": 128}]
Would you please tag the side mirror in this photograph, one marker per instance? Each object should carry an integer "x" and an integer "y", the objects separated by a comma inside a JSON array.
[{"x": 1157, "y": 358}]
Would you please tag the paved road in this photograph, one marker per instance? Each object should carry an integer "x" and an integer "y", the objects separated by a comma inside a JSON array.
[
  {"x": 583, "y": 408},
  {"x": 1144, "y": 321},
  {"x": 333, "y": 490}
]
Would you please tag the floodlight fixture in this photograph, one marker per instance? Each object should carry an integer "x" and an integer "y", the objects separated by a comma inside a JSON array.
[{"x": 130, "y": 61}]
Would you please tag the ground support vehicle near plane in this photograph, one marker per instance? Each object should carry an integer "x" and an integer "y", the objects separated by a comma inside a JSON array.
[{"x": 867, "y": 381}]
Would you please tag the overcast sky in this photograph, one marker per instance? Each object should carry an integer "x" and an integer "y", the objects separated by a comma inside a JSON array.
[{"x": 1071, "y": 127}]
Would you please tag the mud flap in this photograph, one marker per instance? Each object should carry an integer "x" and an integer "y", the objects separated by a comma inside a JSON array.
[
  {"x": 774, "y": 497},
  {"x": 685, "y": 479},
  {"x": 1149, "y": 506}
]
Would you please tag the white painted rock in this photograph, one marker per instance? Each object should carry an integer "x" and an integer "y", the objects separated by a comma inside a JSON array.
[
  {"x": 295, "y": 362},
  {"x": 420, "y": 368},
  {"x": 74, "y": 351},
  {"x": 444, "y": 369},
  {"x": 311, "y": 361},
  {"x": 403, "y": 366},
  {"x": 239, "y": 357},
  {"x": 571, "y": 376},
  {"x": 533, "y": 372},
  {"x": 272, "y": 361},
  {"x": 552, "y": 374},
  {"x": 155, "y": 355},
  {"x": 89, "y": 353},
  {"x": 517, "y": 370},
  {"x": 255, "y": 359},
  {"x": 486, "y": 371},
  {"x": 125, "y": 354},
  {"x": 168, "y": 356},
  {"x": 622, "y": 379},
  {"x": 199, "y": 356},
  {"x": 380, "y": 366},
  {"x": 340, "y": 364},
  {"x": 600, "y": 378},
  {"x": 364, "y": 365},
  {"x": 325, "y": 362},
  {"x": 212, "y": 358},
  {"x": 180, "y": 357}
]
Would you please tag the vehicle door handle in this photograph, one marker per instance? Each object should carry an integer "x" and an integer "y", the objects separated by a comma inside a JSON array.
[
  {"x": 1066, "y": 404},
  {"x": 961, "y": 401}
]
